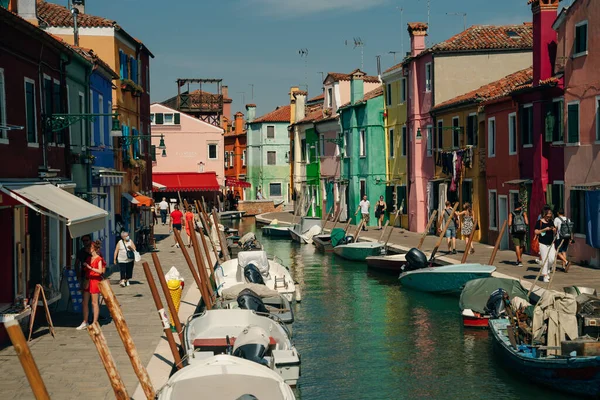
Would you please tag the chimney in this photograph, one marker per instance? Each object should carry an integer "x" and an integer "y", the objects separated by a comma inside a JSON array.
[
  {"x": 544, "y": 39},
  {"x": 292, "y": 95},
  {"x": 239, "y": 123},
  {"x": 357, "y": 86},
  {"x": 417, "y": 32},
  {"x": 27, "y": 9},
  {"x": 300, "y": 106},
  {"x": 225, "y": 91},
  {"x": 250, "y": 112},
  {"x": 79, "y": 5}
]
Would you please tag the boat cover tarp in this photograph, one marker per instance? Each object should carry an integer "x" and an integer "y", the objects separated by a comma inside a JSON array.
[
  {"x": 558, "y": 311},
  {"x": 337, "y": 234},
  {"x": 313, "y": 231},
  {"x": 261, "y": 290},
  {"x": 477, "y": 292},
  {"x": 248, "y": 237},
  {"x": 258, "y": 258}
]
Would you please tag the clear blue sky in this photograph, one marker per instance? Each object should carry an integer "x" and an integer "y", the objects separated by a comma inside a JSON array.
[{"x": 257, "y": 41}]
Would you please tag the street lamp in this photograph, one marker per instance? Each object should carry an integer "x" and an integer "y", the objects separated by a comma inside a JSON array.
[{"x": 164, "y": 153}]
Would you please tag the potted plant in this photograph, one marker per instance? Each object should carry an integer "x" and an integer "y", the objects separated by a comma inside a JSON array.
[{"x": 142, "y": 165}]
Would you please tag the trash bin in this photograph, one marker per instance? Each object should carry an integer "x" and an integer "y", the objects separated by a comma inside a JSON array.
[{"x": 175, "y": 289}]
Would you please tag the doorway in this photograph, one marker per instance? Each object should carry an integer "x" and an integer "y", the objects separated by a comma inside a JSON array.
[{"x": 503, "y": 216}]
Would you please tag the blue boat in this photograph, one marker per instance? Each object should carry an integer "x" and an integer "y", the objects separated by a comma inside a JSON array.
[
  {"x": 579, "y": 375},
  {"x": 447, "y": 279}
]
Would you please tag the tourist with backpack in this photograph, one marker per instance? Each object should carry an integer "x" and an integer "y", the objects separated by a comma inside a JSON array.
[
  {"x": 564, "y": 229},
  {"x": 517, "y": 225},
  {"x": 545, "y": 230}
]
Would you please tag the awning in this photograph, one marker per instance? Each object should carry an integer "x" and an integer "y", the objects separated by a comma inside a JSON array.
[
  {"x": 186, "y": 181},
  {"x": 586, "y": 186},
  {"x": 517, "y": 181},
  {"x": 231, "y": 182},
  {"x": 158, "y": 187},
  {"x": 142, "y": 200},
  {"x": 80, "y": 216},
  {"x": 109, "y": 176},
  {"x": 130, "y": 198}
]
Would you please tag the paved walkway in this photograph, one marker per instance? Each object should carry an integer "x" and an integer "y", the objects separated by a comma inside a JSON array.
[
  {"x": 401, "y": 241},
  {"x": 70, "y": 365}
]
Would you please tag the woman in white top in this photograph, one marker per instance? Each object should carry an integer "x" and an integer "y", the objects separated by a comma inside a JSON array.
[{"x": 123, "y": 260}]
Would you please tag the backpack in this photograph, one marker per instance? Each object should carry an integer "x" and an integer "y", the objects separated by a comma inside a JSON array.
[
  {"x": 566, "y": 228},
  {"x": 518, "y": 223}
]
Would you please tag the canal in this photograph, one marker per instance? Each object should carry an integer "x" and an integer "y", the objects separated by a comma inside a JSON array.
[{"x": 361, "y": 336}]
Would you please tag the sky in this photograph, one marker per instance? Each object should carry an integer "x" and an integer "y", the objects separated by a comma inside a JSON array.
[{"x": 257, "y": 42}]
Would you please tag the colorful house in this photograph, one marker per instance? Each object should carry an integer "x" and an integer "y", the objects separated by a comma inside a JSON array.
[
  {"x": 363, "y": 170},
  {"x": 472, "y": 58},
  {"x": 578, "y": 28},
  {"x": 235, "y": 157}
]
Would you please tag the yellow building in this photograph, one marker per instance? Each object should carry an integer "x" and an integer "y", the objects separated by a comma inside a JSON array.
[{"x": 395, "y": 99}]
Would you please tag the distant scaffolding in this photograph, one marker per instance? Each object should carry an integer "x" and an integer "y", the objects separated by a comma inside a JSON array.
[{"x": 203, "y": 100}]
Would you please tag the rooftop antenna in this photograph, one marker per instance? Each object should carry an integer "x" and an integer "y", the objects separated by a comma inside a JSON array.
[
  {"x": 243, "y": 97},
  {"x": 394, "y": 53},
  {"x": 464, "y": 15},
  {"x": 304, "y": 54},
  {"x": 401, "y": 32},
  {"x": 252, "y": 88},
  {"x": 428, "y": 15},
  {"x": 322, "y": 79},
  {"x": 359, "y": 43}
]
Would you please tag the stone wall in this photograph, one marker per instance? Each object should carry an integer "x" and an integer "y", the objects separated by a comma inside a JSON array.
[{"x": 256, "y": 207}]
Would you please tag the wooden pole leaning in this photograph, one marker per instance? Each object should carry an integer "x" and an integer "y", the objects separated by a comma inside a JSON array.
[
  {"x": 162, "y": 315},
  {"x": 383, "y": 231},
  {"x": 108, "y": 361},
  {"x": 190, "y": 264},
  {"x": 336, "y": 219},
  {"x": 123, "y": 330},
  {"x": 391, "y": 230},
  {"x": 26, "y": 358},
  {"x": 443, "y": 232},
  {"x": 358, "y": 230},
  {"x": 212, "y": 270},
  {"x": 166, "y": 292},
  {"x": 469, "y": 241},
  {"x": 206, "y": 288},
  {"x": 427, "y": 228},
  {"x": 553, "y": 269},
  {"x": 497, "y": 245},
  {"x": 349, "y": 221},
  {"x": 207, "y": 227},
  {"x": 328, "y": 217},
  {"x": 221, "y": 237}
]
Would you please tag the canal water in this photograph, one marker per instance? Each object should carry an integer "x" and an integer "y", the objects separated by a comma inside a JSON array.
[{"x": 362, "y": 336}]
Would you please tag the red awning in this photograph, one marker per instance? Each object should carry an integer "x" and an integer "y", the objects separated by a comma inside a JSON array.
[
  {"x": 186, "y": 181},
  {"x": 231, "y": 182}
]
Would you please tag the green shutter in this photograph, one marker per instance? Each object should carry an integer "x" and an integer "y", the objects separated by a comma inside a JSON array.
[
  {"x": 550, "y": 121},
  {"x": 573, "y": 123},
  {"x": 177, "y": 118},
  {"x": 158, "y": 118},
  {"x": 153, "y": 152}
]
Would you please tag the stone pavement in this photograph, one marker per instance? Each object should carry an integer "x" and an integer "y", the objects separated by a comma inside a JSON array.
[
  {"x": 70, "y": 365},
  {"x": 401, "y": 241}
]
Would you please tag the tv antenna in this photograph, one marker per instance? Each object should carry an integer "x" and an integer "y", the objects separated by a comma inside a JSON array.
[
  {"x": 252, "y": 91},
  {"x": 428, "y": 15},
  {"x": 464, "y": 15},
  {"x": 401, "y": 32},
  {"x": 360, "y": 44},
  {"x": 304, "y": 54},
  {"x": 243, "y": 97},
  {"x": 394, "y": 54},
  {"x": 322, "y": 79}
]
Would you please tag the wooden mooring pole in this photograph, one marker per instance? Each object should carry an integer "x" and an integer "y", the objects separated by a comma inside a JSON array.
[
  {"x": 443, "y": 232},
  {"x": 427, "y": 228},
  {"x": 469, "y": 241}
]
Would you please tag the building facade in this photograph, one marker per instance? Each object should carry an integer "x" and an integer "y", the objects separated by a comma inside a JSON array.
[{"x": 235, "y": 158}]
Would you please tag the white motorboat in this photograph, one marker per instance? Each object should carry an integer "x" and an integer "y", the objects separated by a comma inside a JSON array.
[
  {"x": 255, "y": 267},
  {"x": 304, "y": 231},
  {"x": 255, "y": 336},
  {"x": 226, "y": 377}
]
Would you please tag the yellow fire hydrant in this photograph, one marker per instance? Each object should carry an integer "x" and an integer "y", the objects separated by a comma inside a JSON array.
[{"x": 175, "y": 290}]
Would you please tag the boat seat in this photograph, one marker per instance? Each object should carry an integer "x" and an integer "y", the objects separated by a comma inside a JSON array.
[{"x": 221, "y": 342}]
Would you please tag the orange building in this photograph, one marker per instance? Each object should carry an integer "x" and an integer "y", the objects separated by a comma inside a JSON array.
[{"x": 235, "y": 157}]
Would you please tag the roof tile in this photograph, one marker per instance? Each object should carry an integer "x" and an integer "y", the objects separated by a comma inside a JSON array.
[
  {"x": 280, "y": 114},
  {"x": 339, "y": 76},
  {"x": 57, "y": 15},
  {"x": 488, "y": 37}
]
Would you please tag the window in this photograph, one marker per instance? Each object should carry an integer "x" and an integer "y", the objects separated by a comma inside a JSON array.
[
  {"x": 467, "y": 191},
  {"x": 169, "y": 118},
  {"x": 440, "y": 134},
  {"x": 47, "y": 105},
  {"x": 391, "y": 143},
  {"x": 580, "y": 41},
  {"x": 346, "y": 143},
  {"x": 404, "y": 141},
  {"x": 308, "y": 153},
  {"x": 82, "y": 125},
  {"x": 363, "y": 188},
  {"x": 512, "y": 134},
  {"x": 428, "y": 77},
  {"x": 322, "y": 145},
  {"x": 244, "y": 158},
  {"x": 555, "y": 195},
  {"x": 597, "y": 116},
  {"x": 577, "y": 201},
  {"x": 554, "y": 121},
  {"x": 159, "y": 118},
  {"x": 57, "y": 109},
  {"x": 388, "y": 94},
  {"x": 136, "y": 144},
  {"x": 303, "y": 150},
  {"x": 329, "y": 97},
  {"x": 270, "y": 132},
  {"x": 30, "y": 111},
  {"x": 213, "y": 151},
  {"x": 527, "y": 125},
  {"x": 493, "y": 207},
  {"x": 271, "y": 157},
  {"x": 363, "y": 143},
  {"x": 472, "y": 130},
  {"x": 93, "y": 124},
  {"x": 227, "y": 160},
  {"x": 123, "y": 67},
  {"x": 403, "y": 90},
  {"x": 275, "y": 189},
  {"x": 101, "y": 119},
  {"x": 429, "y": 140},
  {"x": 455, "y": 133},
  {"x": 514, "y": 199},
  {"x": 492, "y": 137},
  {"x": 232, "y": 159},
  {"x": 152, "y": 118},
  {"x": 573, "y": 122},
  {"x": 3, "y": 132}
]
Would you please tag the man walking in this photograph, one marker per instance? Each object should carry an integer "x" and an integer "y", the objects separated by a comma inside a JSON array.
[
  {"x": 364, "y": 211},
  {"x": 517, "y": 226},
  {"x": 451, "y": 229},
  {"x": 164, "y": 209},
  {"x": 176, "y": 217}
]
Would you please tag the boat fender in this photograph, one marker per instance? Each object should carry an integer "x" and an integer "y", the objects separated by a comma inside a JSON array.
[{"x": 298, "y": 294}]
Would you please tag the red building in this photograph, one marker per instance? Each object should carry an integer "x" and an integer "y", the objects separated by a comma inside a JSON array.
[{"x": 235, "y": 157}]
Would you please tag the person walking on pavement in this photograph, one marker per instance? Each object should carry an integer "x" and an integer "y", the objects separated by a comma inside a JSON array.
[
  {"x": 564, "y": 229},
  {"x": 189, "y": 225},
  {"x": 164, "y": 210},
  {"x": 545, "y": 230},
  {"x": 380, "y": 212},
  {"x": 176, "y": 217},
  {"x": 259, "y": 195},
  {"x": 467, "y": 225},
  {"x": 95, "y": 266},
  {"x": 517, "y": 226},
  {"x": 451, "y": 229},
  {"x": 365, "y": 205},
  {"x": 124, "y": 258}
]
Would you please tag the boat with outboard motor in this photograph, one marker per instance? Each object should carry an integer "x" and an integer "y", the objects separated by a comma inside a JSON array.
[
  {"x": 357, "y": 251},
  {"x": 259, "y": 337},
  {"x": 255, "y": 267},
  {"x": 446, "y": 279},
  {"x": 304, "y": 231},
  {"x": 226, "y": 377},
  {"x": 277, "y": 231}
]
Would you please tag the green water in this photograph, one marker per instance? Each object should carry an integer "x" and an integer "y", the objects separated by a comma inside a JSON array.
[{"x": 361, "y": 336}]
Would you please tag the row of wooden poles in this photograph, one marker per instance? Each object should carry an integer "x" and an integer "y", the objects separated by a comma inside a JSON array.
[{"x": 203, "y": 282}]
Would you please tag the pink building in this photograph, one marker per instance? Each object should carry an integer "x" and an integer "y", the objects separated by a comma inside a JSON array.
[
  {"x": 578, "y": 28},
  {"x": 192, "y": 145}
]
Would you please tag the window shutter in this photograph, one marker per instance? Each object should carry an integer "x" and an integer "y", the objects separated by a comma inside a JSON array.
[
  {"x": 550, "y": 121},
  {"x": 121, "y": 65},
  {"x": 136, "y": 144},
  {"x": 573, "y": 117},
  {"x": 153, "y": 152},
  {"x": 134, "y": 70},
  {"x": 158, "y": 118},
  {"x": 177, "y": 119}
]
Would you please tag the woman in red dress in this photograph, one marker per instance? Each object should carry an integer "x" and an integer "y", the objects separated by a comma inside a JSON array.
[{"x": 94, "y": 267}]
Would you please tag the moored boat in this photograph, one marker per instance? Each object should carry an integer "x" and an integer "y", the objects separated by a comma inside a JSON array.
[
  {"x": 323, "y": 243},
  {"x": 276, "y": 231},
  {"x": 232, "y": 215},
  {"x": 358, "y": 251},
  {"x": 304, "y": 231}
]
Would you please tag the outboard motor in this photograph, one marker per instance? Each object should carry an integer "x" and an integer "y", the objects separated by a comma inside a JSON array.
[
  {"x": 415, "y": 259},
  {"x": 249, "y": 300},
  {"x": 252, "y": 344},
  {"x": 252, "y": 274},
  {"x": 495, "y": 304},
  {"x": 349, "y": 239}
]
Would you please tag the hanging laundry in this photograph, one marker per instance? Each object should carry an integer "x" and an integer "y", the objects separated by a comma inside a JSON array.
[{"x": 459, "y": 157}]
